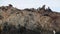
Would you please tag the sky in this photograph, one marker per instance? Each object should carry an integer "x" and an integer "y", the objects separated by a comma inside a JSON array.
[{"x": 22, "y": 4}]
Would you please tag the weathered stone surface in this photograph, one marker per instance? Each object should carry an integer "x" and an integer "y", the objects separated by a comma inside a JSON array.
[{"x": 33, "y": 19}]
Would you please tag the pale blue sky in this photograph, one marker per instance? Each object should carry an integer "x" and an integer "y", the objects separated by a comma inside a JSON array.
[{"x": 21, "y": 4}]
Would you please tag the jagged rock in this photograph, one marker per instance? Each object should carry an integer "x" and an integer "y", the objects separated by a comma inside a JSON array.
[
  {"x": 31, "y": 19},
  {"x": 43, "y": 7},
  {"x": 10, "y": 5},
  {"x": 48, "y": 9}
]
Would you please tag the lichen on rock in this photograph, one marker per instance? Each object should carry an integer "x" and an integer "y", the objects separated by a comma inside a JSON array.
[{"x": 32, "y": 19}]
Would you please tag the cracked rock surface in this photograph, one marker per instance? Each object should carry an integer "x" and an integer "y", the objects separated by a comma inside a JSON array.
[{"x": 40, "y": 19}]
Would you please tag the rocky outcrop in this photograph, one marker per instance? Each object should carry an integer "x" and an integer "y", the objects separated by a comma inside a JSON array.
[{"x": 32, "y": 19}]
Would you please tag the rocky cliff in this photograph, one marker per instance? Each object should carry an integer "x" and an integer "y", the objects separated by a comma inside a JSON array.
[{"x": 39, "y": 19}]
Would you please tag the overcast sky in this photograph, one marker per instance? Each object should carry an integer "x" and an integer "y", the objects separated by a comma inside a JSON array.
[{"x": 21, "y": 4}]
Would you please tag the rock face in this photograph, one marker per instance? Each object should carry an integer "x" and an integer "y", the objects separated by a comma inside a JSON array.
[{"x": 32, "y": 19}]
